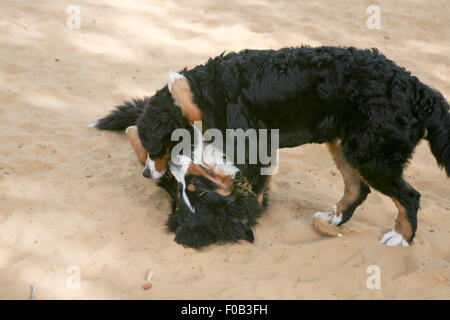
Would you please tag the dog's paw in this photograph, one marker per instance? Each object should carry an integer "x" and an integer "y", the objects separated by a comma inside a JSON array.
[
  {"x": 331, "y": 216},
  {"x": 326, "y": 223},
  {"x": 393, "y": 238}
]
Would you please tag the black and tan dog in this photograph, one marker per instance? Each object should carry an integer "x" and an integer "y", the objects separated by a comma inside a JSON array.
[
  {"x": 371, "y": 112},
  {"x": 212, "y": 201}
]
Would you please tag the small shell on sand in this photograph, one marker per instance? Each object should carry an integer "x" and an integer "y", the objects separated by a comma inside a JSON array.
[
  {"x": 147, "y": 286},
  {"x": 322, "y": 226},
  {"x": 133, "y": 138}
]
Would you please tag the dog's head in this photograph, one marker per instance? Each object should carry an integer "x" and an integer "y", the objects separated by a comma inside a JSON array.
[
  {"x": 210, "y": 207},
  {"x": 169, "y": 109}
]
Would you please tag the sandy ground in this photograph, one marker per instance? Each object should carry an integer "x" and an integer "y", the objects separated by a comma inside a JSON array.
[{"x": 74, "y": 197}]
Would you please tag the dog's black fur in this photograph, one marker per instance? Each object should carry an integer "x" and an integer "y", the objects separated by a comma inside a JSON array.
[
  {"x": 378, "y": 111},
  {"x": 217, "y": 218}
]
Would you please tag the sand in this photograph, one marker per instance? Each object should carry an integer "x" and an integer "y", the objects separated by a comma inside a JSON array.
[{"x": 73, "y": 198}]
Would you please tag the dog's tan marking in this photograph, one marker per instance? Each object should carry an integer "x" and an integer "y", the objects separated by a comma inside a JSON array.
[
  {"x": 402, "y": 224},
  {"x": 352, "y": 179},
  {"x": 133, "y": 138},
  {"x": 161, "y": 163},
  {"x": 222, "y": 192},
  {"x": 269, "y": 180},
  {"x": 224, "y": 182},
  {"x": 184, "y": 98},
  {"x": 260, "y": 198},
  {"x": 141, "y": 153},
  {"x": 191, "y": 187}
]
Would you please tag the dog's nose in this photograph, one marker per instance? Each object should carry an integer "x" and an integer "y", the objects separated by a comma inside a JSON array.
[{"x": 146, "y": 173}]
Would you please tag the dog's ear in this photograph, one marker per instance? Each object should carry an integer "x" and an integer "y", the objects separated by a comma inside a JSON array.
[
  {"x": 194, "y": 236},
  {"x": 207, "y": 232},
  {"x": 241, "y": 231},
  {"x": 250, "y": 237},
  {"x": 183, "y": 97}
]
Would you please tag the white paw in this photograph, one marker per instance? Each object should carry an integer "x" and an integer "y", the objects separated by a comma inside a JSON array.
[
  {"x": 329, "y": 216},
  {"x": 172, "y": 76},
  {"x": 393, "y": 238}
]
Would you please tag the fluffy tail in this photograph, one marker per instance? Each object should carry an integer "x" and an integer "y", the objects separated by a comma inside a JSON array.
[
  {"x": 123, "y": 116},
  {"x": 434, "y": 112}
]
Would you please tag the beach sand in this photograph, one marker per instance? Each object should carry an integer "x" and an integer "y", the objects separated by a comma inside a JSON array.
[{"x": 73, "y": 200}]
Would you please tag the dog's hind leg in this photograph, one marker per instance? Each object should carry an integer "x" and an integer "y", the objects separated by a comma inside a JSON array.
[
  {"x": 355, "y": 190},
  {"x": 406, "y": 199},
  {"x": 385, "y": 175}
]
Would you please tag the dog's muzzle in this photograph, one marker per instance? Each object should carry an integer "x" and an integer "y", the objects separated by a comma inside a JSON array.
[
  {"x": 146, "y": 173},
  {"x": 150, "y": 170}
]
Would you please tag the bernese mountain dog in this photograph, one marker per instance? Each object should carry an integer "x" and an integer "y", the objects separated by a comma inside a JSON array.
[
  {"x": 212, "y": 201},
  {"x": 369, "y": 111}
]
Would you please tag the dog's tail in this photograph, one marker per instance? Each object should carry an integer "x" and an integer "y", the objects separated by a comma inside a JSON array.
[
  {"x": 123, "y": 116},
  {"x": 433, "y": 110}
]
